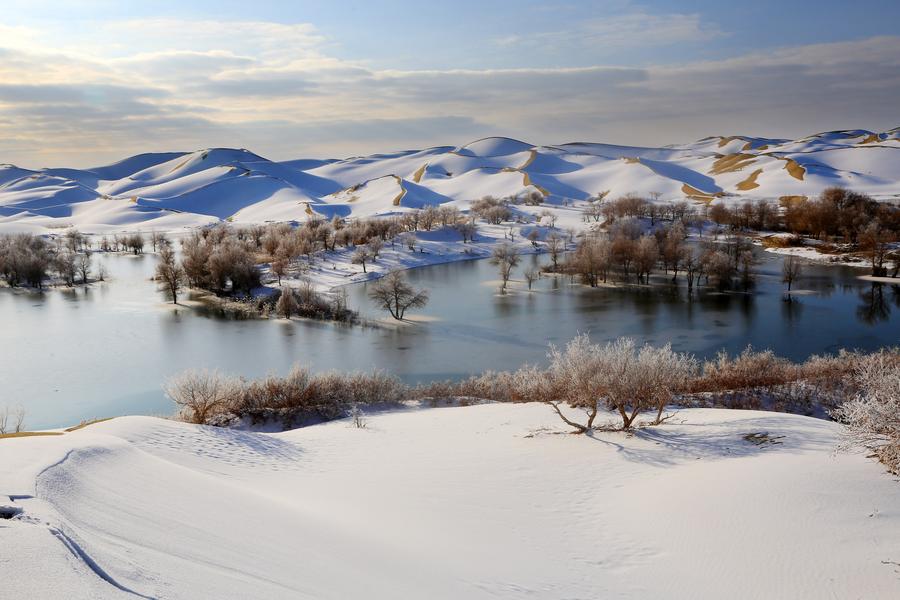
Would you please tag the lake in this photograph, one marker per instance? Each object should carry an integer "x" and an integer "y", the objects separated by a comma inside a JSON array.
[{"x": 105, "y": 350}]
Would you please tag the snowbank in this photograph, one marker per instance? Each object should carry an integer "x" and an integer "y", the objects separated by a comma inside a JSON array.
[{"x": 477, "y": 502}]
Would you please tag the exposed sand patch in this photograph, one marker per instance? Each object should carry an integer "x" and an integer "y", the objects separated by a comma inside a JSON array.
[
  {"x": 730, "y": 163},
  {"x": 750, "y": 182},
  {"x": 788, "y": 200},
  {"x": 872, "y": 139},
  {"x": 22, "y": 434},
  {"x": 417, "y": 176},
  {"x": 695, "y": 194},
  {"x": 526, "y": 180},
  {"x": 724, "y": 141},
  {"x": 531, "y": 157},
  {"x": 84, "y": 424},
  {"x": 402, "y": 193},
  {"x": 631, "y": 160},
  {"x": 794, "y": 168}
]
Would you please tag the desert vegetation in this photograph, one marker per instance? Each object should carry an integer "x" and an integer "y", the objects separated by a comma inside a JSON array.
[
  {"x": 394, "y": 294},
  {"x": 33, "y": 261},
  {"x": 839, "y": 220},
  {"x": 627, "y": 254},
  {"x": 617, "y": 385}
]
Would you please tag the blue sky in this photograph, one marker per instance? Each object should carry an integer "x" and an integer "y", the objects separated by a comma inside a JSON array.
[{"x": 93, "y": 81}]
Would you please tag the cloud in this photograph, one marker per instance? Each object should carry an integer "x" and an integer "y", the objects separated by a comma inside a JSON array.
[
  {"x": 618, "y": 32},
  {"x": 166, "y": 84}
]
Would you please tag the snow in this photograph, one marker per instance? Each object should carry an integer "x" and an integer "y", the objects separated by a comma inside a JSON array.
[
  {"x": 218, "y": 184},
  {"x": 485, "y": 501}
]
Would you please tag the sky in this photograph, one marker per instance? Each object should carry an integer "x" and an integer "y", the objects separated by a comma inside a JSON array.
[{"x": 91, "y": 82}]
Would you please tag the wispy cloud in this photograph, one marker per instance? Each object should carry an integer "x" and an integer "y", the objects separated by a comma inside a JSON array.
[
  {"x": 621, "y": 32},
  {"x": 172, "y": 84}
]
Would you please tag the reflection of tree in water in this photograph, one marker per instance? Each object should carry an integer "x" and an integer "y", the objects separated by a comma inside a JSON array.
[
  {"x": 791, "y": 308},
  {"x": 873, "y": 306}
]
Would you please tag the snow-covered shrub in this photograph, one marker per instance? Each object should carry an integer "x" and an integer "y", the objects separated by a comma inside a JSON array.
[
  {"x": 872, "y": 417},
  {"x": 627, "y": 379},
  {"x": 202, "y": 394}
]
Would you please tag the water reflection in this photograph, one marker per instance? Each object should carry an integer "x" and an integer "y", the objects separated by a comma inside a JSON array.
[
  {"x": 105, "y": 350},
  {"x": 875, "y": 302}
]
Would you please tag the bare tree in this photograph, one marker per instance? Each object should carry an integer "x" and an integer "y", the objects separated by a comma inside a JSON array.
[
  {"x": 64, "y": 264},
  {"x": 375, "y": 245},
  {"x": 875, "y": 242},
  {"x": 170, "y": 272},
  {"x": 360, "y": 257},
  {"x": 790, "y": 271},
  {"x": 280, "y": 264},
  {"x": 394, "y": 294},
  {"x": 506, "y": 256},
  {"x": 83, "y": 263},
  {"x": 628, "y": 379},
  {"x": 201, "y": 394},
  {"x": 467, "y": 229},
  {"x": 19, "y": 414},
  {"x": 555, "y": 246},
  {"x": 287, "y": 304},
  {"x": 530, "y": 276}
]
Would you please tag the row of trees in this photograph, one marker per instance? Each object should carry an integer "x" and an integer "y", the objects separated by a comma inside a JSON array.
[
  {"x": 305, "y": 301},
  {"x": 837, "y": 214},
  {"x": 26, "y": 259},
  {"x": 624, "y": 252}
]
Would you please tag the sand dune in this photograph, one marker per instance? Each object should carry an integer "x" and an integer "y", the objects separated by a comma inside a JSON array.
[{"x": 146, "y": 190}]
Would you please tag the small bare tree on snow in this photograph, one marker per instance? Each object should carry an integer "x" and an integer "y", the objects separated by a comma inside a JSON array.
[
  {"x": 394, "y": 294},
  {"x": 627, "y": 379},
  {"x": 361, "y": 256}
]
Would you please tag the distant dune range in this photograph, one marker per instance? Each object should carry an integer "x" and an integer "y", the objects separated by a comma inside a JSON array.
[{"x": 172, "y": 190}]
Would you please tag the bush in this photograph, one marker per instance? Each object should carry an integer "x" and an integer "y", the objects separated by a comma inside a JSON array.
[{"x": 872, "y": 417}]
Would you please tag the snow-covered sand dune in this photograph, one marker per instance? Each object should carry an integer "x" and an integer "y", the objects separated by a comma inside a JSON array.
[
  {"x": 475, "y": 502},
  {"x": 173, "y": 190}
]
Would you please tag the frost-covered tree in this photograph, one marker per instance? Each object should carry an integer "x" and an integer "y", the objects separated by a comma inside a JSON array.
[
  {"x": 361, "y": 256},
  {"x": 619, "y": 375},
  {"x": 872, "y": 417},
  {"x": 395, "y": 295}
]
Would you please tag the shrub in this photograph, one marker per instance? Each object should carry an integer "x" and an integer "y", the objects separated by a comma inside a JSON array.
[{"x": 872, "y": 416}]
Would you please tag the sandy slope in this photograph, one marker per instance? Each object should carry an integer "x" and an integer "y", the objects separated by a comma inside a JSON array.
[
  {"x": 215, "y": 184},
  {"x": 475, "y": 502}
]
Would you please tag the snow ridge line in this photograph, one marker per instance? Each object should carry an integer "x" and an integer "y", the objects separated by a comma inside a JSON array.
[
  {"x": 76, "y": 550},
  {"x": 80, "y": 554}
]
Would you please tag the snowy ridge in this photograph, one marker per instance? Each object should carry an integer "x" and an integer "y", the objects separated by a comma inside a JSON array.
[
  {"x": 473, "y": 502},
  {"x": 173, "y": 190}
]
